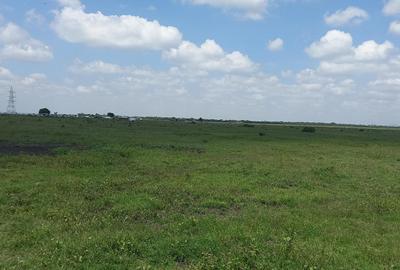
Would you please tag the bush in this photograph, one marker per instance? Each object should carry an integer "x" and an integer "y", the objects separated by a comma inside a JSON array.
[
  {"x": 261, "y": 134},
  {"x": 110, "y": 114},
  {"x": 309, "y": 129}
]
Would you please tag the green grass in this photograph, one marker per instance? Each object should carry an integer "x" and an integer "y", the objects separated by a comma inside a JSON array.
[{"x": 175, "y": 195}]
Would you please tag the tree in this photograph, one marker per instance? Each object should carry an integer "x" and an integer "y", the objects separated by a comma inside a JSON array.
[
  {"x": 44, "y": 111},
  {"x": 110, "y": 114},
  {"x": 309, "y": 129}
]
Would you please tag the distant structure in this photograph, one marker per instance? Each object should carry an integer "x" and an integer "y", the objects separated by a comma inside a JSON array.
[{"x": 11, "y": 102}]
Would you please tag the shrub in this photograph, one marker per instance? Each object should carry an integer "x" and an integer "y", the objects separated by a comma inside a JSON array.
[
  {"x": 309, "y": 129},
  {"x": 261, "y": 134},
  {"x": 110, "y": 114}
]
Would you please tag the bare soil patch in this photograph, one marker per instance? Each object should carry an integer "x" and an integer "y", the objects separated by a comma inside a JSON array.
[{"x": 33, "y": 149}]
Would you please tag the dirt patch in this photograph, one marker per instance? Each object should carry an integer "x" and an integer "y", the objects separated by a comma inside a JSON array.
[
  {"x": 171, "y": 147},
  {"x": 36, "y": 149}
]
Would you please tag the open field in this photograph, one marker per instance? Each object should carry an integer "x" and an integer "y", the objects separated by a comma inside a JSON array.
[{"x": 100, "y": 194}]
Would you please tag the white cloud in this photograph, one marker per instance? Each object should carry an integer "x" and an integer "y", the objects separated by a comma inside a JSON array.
[
  {"x": 74, "y": 25},
  {"x": 394, "y": 28},
  {"x": 275, "y": 45},
  {"x": 371, "y": 51},
  {"x": 5, "y": 73},
  {"x": 248, "y": 9},
  {"x": 313, "y": 96},
  {"x": 337, "y": 46},
  {"x": 392, "y": 7},
  {"x": 209, "y": 57},
  {"x": 16, "y": 43},
  {"x": 350, "y": 15},
  {"x": 151, "y": 8},
  {"x": 339, "y": 56},
  {"x": 34, "y": 78},
  {"x": 71, "y": 3},
  {"x": 95, "y": 67},
  {"x": 87, "y": 89},
  {"x": 12, "y": 33},
  {"x": 395, "y": 82},
  {"x": 333, "y": 43},
  {"x": 32, "y": 16}
]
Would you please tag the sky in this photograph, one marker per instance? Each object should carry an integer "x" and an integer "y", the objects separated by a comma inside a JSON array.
[{"x": 266, "y": 60}]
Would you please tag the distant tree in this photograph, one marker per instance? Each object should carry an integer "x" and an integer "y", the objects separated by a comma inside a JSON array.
[
  {"x": 309, "y": 129},
  {"x": 44, "y": 111},
  {"x": 200, "y": 119},
  {"x": 110, "y": 114}
]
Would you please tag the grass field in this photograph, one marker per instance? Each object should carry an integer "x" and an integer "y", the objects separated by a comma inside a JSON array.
[{"x": 100, "y": 194}]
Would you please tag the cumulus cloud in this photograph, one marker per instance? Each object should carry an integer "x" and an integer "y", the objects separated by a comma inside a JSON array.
[
  {"x": 75, "y": 25},
  {"x": 370, "y": 51},
  {"x": 208, "y": 57},
  {"x": 275, "y": 45},
  {"x": 394, "y": 28},
  {"x": 248, "y": 9},
  {"x": 339, "y": 45},
  {"x": 338, "y": 54},
  {"x": 16, "y": 43},
  {"x": 392, "y": 7},
  {"x": 333, "y": 43},
  {"x": 350, "y": 15}
]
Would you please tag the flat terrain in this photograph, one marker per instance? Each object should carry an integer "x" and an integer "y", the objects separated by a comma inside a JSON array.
[{"x": 102, "y": 194}]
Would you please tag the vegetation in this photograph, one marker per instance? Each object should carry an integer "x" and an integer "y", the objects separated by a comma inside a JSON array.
[
  {"x": 110, "y": 114},
  {"x": 100, "y": 194},
  {"x": 309, "y": 129},
  {"x": 44, "y": 111}
]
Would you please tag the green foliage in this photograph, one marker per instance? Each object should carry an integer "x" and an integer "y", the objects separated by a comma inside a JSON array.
[
  {"x": 309, "y": 129},
  {"x": 172, "y": 195},
  {"x": 44, "y": 111}
]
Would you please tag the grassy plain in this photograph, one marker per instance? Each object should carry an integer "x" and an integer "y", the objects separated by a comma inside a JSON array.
[{"x": 175, "y": 195}]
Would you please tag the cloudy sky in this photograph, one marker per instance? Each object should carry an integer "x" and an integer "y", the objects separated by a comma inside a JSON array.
[{"x": 281, "y": 60}]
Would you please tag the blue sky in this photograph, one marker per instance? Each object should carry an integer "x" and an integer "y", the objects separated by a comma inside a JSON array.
[{"x": 289, "y": 60}]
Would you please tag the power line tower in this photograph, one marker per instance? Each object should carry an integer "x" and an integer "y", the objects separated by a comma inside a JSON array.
[{"x": 11, "y": 101}]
